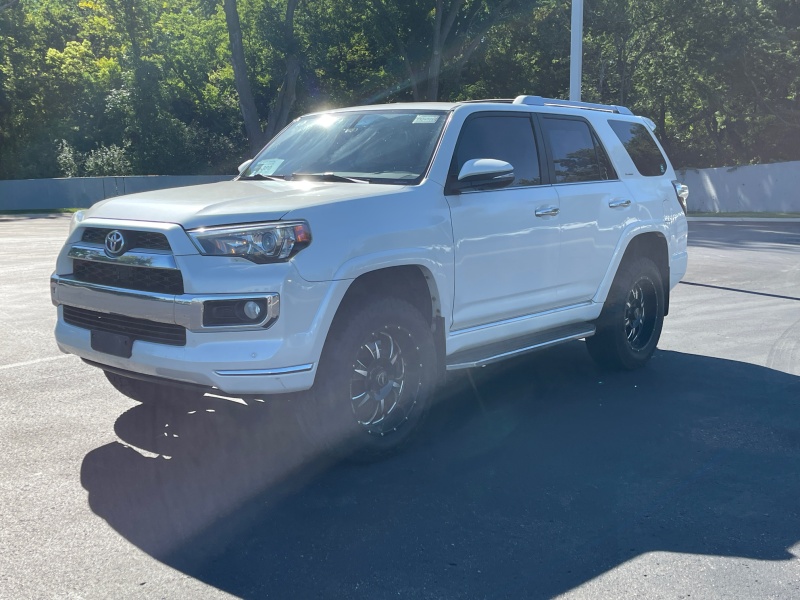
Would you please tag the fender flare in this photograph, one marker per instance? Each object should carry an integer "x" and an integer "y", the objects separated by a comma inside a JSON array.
[{"x": 435, "y": 272}]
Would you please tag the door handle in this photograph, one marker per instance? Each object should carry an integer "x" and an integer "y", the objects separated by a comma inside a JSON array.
[
  {"x": 547, "y": 211},
  {"x": 619, "y": 203}
]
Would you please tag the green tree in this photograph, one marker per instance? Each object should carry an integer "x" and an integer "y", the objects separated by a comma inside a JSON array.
[
  {"x": 435, "y": 36},
  {"x": 287, "y": 50},
  {"x": 194, "y": 86}
]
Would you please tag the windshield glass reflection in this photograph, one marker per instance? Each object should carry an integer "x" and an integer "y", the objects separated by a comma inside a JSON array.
[{"x": 392, "y": 146}]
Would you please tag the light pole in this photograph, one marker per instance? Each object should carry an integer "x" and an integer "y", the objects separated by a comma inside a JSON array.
[{"x": 576, "y": 50}]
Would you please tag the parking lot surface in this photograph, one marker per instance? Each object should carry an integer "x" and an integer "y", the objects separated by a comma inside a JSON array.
[{"x": 552, "y": 478}]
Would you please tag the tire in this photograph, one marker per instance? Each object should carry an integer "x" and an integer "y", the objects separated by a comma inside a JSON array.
[
  {"x": 630, "y": 325},
  {"x": 374, "y": 383},
  {"x": 137, "y": 389}
]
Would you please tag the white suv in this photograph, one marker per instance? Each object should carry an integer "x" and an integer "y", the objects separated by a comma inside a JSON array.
[{"x": 367, "y": 250}]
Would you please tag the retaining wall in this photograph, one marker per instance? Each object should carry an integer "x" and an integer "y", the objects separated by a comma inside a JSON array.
[
  {"x": 755, "y": 188},
  {"x": 82, "y": 192},
  {"x": 752, "y": 188}
]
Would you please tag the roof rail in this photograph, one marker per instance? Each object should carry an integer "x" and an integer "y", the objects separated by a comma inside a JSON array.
[
  {"x": 497, "y": 100},
  {"x": 539, "y": 101}
]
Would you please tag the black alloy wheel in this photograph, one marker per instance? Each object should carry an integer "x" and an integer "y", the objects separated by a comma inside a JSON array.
[
  {"x": 374, "y": 383},
  {"x": 630, "y": 325}
]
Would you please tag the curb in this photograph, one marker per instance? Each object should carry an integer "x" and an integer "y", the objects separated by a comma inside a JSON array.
[
  {"x": 18, "y": 216},
  {"x": 745, "y": 219},
  {"x": 21, "y": 216}
]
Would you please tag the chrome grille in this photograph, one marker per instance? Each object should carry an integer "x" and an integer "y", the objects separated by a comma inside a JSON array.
[
  {"x": 143, "y": 240},
  {"x": 143, "y": 279},
  {"x": 138, "y": 329}
]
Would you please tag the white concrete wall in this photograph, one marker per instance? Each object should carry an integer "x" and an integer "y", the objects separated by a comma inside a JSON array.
[
  {"x": 752, "y": 188},
  {"x": 755, "y": 188},
  {"x": 82, "y": 192}
]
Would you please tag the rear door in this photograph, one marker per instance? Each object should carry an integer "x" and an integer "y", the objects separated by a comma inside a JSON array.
[{"x": 595, "y": 205}]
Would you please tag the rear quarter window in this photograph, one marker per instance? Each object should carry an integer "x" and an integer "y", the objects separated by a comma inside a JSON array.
[{"x": 641, "y": 147}]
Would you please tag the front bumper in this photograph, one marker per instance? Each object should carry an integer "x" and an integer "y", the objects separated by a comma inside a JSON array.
[
  {"x": 235, "y": 360},
  {"x": 186, "y": 310}
]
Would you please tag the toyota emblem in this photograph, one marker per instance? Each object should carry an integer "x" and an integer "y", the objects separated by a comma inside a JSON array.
[{"x": 115, "y": 243}]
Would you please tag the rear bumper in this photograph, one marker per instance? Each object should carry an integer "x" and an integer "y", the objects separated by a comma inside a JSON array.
[{"x": 677, "y": 267}]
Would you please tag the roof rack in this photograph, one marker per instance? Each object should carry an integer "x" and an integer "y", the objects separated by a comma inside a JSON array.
[
  {"x": 494, "y": 100},
  {"x": 539, "y": 101}
]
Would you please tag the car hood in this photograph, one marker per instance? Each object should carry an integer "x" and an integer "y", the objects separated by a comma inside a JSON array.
[{"x": 231, "y": 202}]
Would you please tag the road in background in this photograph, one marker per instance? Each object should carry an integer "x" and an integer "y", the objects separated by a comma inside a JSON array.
[{"x": 677, "y": 480}]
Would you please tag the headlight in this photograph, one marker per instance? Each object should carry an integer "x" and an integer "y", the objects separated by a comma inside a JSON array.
[
  {"x": 262, "y": 243},
  {"x": 77, "y": 217}
]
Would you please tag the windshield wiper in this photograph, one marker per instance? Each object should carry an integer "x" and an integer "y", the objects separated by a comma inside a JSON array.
[
  {"x": 260, "y": 177},
  {"x": 327, "y": 177}
]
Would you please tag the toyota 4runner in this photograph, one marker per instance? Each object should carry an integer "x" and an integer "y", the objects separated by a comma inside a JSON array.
[{"x": 365, "y": 251}]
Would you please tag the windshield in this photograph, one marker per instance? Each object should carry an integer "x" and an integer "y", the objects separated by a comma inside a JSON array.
[{"x": 390, "y": 146}]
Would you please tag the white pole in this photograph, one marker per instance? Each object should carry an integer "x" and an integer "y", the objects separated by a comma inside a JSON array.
[{"x": 576, "y": 50}]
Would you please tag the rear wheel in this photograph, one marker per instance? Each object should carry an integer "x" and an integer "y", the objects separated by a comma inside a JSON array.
[
  {"x": 630, "y": 325},
  {"x": 374, "y": 383}
]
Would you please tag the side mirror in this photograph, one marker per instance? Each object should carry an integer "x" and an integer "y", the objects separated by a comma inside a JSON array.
[
  {"x": 244, "y": 165},
  {"x": 483, "y": 174}
]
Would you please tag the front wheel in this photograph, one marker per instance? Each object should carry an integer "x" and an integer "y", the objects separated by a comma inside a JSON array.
[
  {"x": 374, "y": 383},
  {"x": 630, "y": 325}
]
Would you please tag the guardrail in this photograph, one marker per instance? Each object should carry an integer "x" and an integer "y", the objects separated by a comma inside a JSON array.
[{"x": 754, "y": 188}]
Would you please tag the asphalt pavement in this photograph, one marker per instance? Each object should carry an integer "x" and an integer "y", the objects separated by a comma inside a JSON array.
[{"x": 550, "y": 479}]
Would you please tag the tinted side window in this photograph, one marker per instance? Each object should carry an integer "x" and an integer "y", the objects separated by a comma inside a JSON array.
[
  {"x": 509, "y": 138},
  {"x": 642, "y": 148},
  {"x": 577, "y": 154}
]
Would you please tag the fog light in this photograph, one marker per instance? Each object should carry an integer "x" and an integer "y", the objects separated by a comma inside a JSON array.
[
  {"x": 252, "y": 310},
  {"x": 239, "y": 312}
]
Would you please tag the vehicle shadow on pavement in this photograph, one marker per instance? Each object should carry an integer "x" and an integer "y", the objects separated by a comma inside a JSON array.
[{"x": 552, "y": 475}]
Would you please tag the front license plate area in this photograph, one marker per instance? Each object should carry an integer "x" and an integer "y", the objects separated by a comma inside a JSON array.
[{"x": 112, "y": 343}]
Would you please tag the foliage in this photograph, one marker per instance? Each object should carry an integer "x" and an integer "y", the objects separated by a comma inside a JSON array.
[
  {"x": 147, "y": 86},
  {"x": 105, "y": 160}
]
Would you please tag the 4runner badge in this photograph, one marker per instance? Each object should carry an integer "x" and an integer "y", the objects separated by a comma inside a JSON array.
[{"x": 115, "y": 243}]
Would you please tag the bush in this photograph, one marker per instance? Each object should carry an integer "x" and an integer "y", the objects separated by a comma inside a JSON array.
[
  {"x": 104, "y": 160},
  {"x": 107, "y": 160}
]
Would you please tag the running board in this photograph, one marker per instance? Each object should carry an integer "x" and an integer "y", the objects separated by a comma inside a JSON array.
[{"x": 484, "y": 355}]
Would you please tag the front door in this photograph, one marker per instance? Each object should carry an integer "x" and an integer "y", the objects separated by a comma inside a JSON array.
[{"x": 507, "y": 240}]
